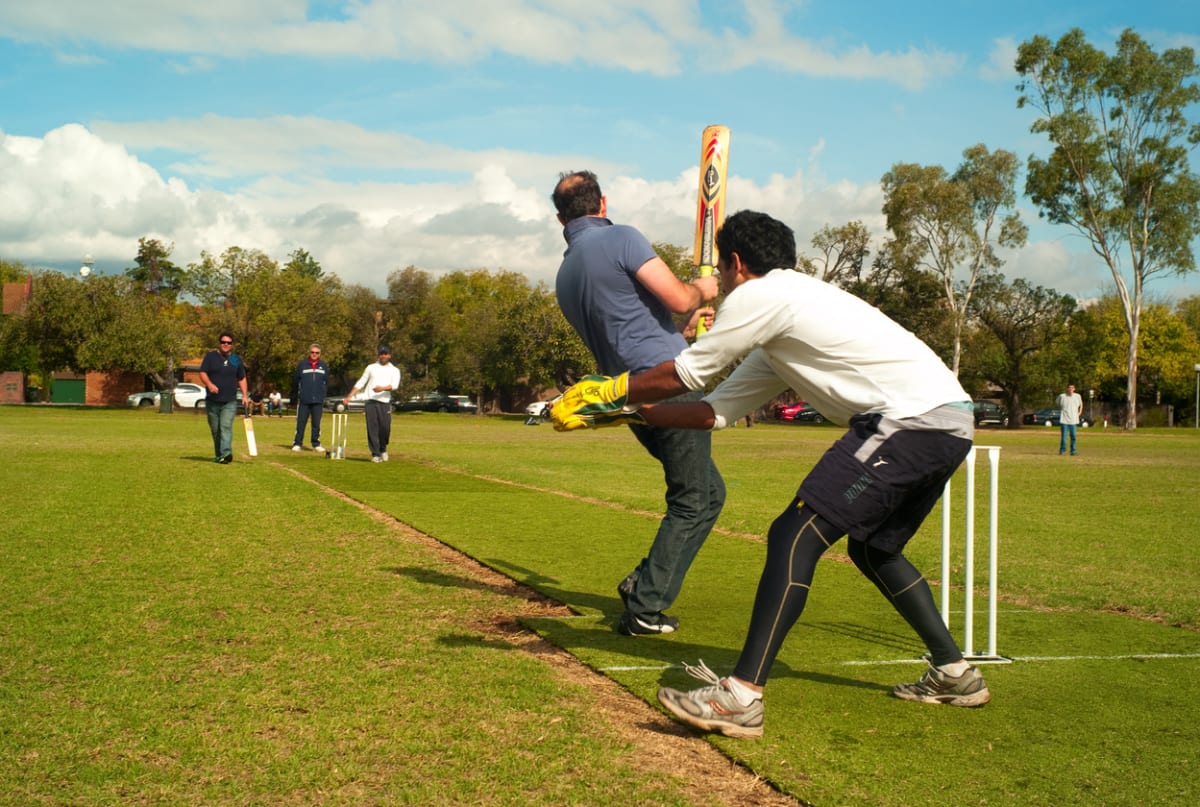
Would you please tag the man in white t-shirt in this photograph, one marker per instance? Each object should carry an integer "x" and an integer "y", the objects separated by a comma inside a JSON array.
[
  {"x": 910, "y": 426},
  {"x": 1070, "y": 408},
  {"x": 377, "y": 383}
]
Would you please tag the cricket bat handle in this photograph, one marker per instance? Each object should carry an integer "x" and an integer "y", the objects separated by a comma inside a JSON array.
[{"x": 705, "y": 271}]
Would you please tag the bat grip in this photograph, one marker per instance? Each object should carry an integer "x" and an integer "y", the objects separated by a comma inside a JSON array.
[{"x": 705, "y": 271}]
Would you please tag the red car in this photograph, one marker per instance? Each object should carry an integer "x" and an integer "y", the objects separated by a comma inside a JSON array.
[{"x": 799, "y": 412}]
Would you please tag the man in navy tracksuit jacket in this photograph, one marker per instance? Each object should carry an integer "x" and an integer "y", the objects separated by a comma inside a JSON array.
[{"x": 308, "y": 391}]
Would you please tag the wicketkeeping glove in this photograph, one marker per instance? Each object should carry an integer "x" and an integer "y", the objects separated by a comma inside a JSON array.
[{"x": 595, "y": 402}]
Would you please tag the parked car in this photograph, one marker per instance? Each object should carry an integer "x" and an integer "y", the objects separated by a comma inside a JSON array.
[
  {"x": 1050, "y": 417},
  {"x": 465, "y": 404},
  {"x": 541, "y": 409},
  {"x": 799, "y": 412},
  {"x": 143, "y": 399},
  {"x": 990, "y": 412},
  {"x": 334, "y": 404},
  {"x": 434, "y": 402},
  {"x": 187, "y": 396}
]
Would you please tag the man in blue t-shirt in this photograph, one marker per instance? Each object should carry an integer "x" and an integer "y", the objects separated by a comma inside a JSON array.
[
  {"x": 222, "y": 373},
  {"x": 621, "y": 298}
]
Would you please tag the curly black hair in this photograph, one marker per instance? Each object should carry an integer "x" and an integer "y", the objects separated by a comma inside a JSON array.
[
  {"x": 763, "y": 243},
  {"x": 577, "y": 194}
]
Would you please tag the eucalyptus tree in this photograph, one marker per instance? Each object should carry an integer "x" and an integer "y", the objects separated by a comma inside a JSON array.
[
  {"x": 950, "y": 224},
  {"x": 1025, "y": 319},
  {"x": 1118, "y": 170},
  {"x": 842, "y": 254}
]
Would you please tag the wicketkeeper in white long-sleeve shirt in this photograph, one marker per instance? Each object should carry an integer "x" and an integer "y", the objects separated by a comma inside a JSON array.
[
  {"x": 377, "y": 383},
  {"x": 910, "y": 424}
]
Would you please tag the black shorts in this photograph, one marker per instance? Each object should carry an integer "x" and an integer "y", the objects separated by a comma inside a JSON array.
[{"x": 881, "y": 479}]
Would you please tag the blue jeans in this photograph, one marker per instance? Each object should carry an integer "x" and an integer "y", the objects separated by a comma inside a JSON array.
[
  {"x": 695, "y": 496},
  {"x": 220, "y": 423},
  {"x": 303, "y": 411},
  {"x": 1065, "y": 429}
]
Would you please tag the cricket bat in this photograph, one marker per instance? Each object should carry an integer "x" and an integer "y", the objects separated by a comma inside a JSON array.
[
  {"x": 251, "y": 443},
  {"x": 710, "y": 208}
]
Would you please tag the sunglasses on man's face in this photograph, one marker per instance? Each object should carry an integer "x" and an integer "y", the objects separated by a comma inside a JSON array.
[{"x": 226, "y": 342}]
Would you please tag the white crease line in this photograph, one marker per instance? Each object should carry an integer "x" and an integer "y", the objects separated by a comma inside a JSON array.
[{"x": 880, "y": 662}]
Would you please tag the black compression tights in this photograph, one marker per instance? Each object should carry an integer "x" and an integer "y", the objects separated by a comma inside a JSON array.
[
  {"x": 795, "y": 542},
  {"x": 909, "y": 594}
]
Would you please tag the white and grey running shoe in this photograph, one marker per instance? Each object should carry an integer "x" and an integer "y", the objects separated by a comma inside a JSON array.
[
  {"x": 714, "y": 707},
  {"x": 935, "y": 686}
]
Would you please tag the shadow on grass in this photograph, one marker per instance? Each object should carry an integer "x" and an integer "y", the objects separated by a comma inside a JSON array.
[
  {"x": 667, "y": 652},
  {"x": 867, "y": 634},
  {"x": 445, "y": 580},
  {"x": 548, "y": 586}
]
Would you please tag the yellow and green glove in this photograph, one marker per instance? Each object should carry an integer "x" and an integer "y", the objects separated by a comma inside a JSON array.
[{"x": 595, "y": 402}]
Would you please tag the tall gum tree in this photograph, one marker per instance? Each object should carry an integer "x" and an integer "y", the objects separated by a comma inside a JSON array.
[
  {"x": 1118, "y": 170},
  {"x": 950, "y": 224}
]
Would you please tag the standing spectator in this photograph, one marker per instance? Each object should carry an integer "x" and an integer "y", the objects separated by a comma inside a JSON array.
[
  {"x": 222, "y": 373},
  {"x": 1070, "y": 408},
  {"x": 308, "y": 391},
  {"x": 620, "y": 297},
  {"x": 377, "y": 382}
]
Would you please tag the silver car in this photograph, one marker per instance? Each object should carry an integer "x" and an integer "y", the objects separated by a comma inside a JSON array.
[{"x": 187, "y": 396}]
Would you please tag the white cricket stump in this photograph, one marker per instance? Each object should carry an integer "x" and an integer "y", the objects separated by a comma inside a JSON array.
[
  {"x": 337, "y": 446},
  {"x": 968, "y": 646}
]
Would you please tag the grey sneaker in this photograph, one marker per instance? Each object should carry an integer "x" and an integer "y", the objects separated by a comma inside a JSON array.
[
  {"x": 935, "y": 686},
  {"x": 377, "y": 458},
  {"x": 713, "y": 708}
]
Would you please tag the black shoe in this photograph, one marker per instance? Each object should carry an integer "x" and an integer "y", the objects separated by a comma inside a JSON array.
[
  {"x": 228, "y": 458},
  {"x": 625, "y": 589},
  {"x": 647, "y": 624}
]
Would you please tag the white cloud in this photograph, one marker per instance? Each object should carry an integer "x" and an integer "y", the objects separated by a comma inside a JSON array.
[
  {"x": 660, "y": 38},
  {"x": 1001, "y": 58},
  {"x": 214, "y": 146},
  {"x": 74, "y": 192}
]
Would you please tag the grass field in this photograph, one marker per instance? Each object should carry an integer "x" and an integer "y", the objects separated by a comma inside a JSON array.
[{"x": 178, "y": 632}]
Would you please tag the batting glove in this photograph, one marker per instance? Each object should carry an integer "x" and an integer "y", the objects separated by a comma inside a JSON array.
[{"x": 595, "y": 402}]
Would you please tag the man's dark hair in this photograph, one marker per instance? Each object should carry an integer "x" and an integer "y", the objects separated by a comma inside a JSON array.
[
  {"x": 763, "y": 243},
  {"x": 577, "y": 194}
]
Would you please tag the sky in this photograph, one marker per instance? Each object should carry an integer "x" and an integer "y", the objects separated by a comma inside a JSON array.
[{"x": 380, "y": 134}]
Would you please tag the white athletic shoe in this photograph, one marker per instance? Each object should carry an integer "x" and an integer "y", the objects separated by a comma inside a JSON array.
[
  {"x": 319, "y": 448},
  {"x": 376, "y": 459},
  {"x": 384, "y": 456},
  {"x": 297, "y": 448}
]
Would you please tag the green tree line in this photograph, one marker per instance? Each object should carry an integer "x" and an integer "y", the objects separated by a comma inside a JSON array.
[{"x": 501, "y": 339}]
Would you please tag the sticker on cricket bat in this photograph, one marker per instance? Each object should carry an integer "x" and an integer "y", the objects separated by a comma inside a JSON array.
[
  {"x": 251, "y": 443},
  {"x": 710, "y": 207}
]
